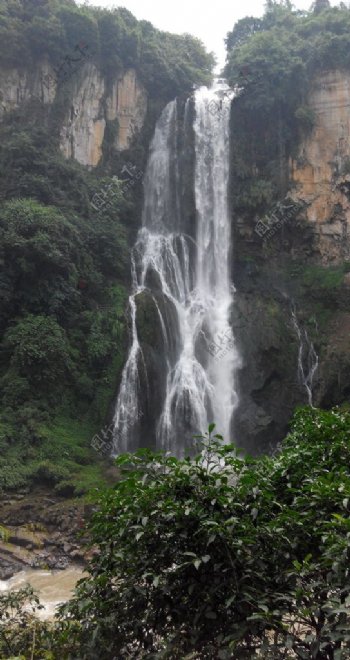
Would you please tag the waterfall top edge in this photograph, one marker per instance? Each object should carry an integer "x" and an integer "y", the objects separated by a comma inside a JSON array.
[{"x": 219, "y": 89}]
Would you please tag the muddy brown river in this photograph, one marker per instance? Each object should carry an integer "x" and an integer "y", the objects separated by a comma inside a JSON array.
[{"x": 53, "y": 587}]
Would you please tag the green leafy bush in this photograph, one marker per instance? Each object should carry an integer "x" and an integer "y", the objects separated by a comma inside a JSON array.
[
  {"x": 20, "y": 631},
  {"x": 50, "y": 473},
  {"x": 222, "y": 556},
  {"x": 39, "y": 350},
  {"x": 65, "y": 488},
  {"x": 13, "y": 474}
]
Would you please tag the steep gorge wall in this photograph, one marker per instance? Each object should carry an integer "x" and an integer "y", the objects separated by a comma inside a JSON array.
[
  {"x": 290, "y": 268},
  {"x": 321, "y": 170},
  {"x": 92, "y": 104},
  {"x": 305, "y": 264}
]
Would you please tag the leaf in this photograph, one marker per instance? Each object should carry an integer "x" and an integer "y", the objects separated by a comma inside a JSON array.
[
  {"x": 144, "y": 521},
  {"x": 211, "y": 427},
  {"x": 197, "y": 563},
  {"x": 224, "y": 654},
  {"x": 138, "y": 535},
  {"x": 254, "y": 513},
  {"x": 205, "y": 559},
  {"x": 230, "y": 601},
  {"x": 264, "y": 608},
  {"x": 289, "y": 642},
  {"x": 210, "y": 615}
]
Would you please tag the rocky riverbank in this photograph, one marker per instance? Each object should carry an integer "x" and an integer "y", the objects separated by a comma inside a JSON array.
[{"x": 38, "y": 530}]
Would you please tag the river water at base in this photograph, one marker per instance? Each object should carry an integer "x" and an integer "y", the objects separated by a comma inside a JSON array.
[{"x": 52, "y": 587}]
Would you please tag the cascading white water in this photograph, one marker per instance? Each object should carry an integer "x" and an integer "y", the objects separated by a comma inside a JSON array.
[
  {"x": 193, "y": 277},
  {"x": 307, "y": 359},
  {"x": 214, "y": 243}
]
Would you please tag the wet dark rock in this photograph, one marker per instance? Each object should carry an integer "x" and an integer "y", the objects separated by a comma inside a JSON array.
[
  {"x": 41, "y": 533},
  {"x": 8, "y": 568}
]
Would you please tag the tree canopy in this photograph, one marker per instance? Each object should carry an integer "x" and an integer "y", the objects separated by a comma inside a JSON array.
[
  {"x": 167, "y": 64},
  {"x": 272, "y": 62}
]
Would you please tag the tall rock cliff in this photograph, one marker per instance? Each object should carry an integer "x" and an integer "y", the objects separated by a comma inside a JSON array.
[
  {"x": 302, "y": 269},
  {"x": 92, "y": 104},
  {"x": 299, "y": 270},
  {"x": 321, "y": 171}
]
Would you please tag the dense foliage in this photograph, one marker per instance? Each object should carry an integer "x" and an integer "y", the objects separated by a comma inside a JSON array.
[
  {"x": 64, "y": 265},
  {"x": 19, "y": 627},
  {"x": 31, "y": 30},
  {"x": 211, "y": 554},
  {"x": 220, "y": 556},
  {"x": 273, "y": 60},
  {"x": 63, "y": 286}
]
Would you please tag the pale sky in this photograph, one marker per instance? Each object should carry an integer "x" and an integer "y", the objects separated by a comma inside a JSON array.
[{"x": 209, "y": 21}]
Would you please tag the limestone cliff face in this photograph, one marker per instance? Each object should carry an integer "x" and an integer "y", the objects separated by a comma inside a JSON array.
[
  {"x": 127, "y": 103},
  {"x": 17, "y": 86},
  {"x": 84, "y": 127},
  {"x": 305, "y": 266},
  {"x": 322, "y": 169},
  {"x": 92, "y": 105}
]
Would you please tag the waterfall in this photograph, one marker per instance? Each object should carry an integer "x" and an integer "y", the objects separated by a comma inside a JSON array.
[
  {"x": 307, "y": 358},
  {"x": 186, "y": 279}
]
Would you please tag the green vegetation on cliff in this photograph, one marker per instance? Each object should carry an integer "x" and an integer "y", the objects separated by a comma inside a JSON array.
[
  {"x": 168, "y": 64},
  {"x": 274, "y": 60},
  {"x": 64, "y": 265},
  {"x": 63, "y": 287}
]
